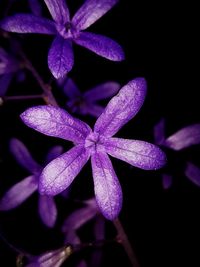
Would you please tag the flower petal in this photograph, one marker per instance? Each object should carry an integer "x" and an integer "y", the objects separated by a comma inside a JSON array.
[
  {"x": 159, "y": 132},
  {"x": 17, "y": 194},
  {"x": 58, "y": 10},
  {"x": 101, "y": 45},
  {"x": 47, "y": 210},
  {"x": 60, "y": 57},
  {"x": 94, "y": 110},
  {"x": 166, "y": 181},
  {"x": 5, "y": 81},
  {"x": 24, "y": 23},
  {"x": 53, "y": 258},
  {"x": 102, "y": 91},
  {"x": 60, "y": 172},
  {"x": 70, "y": 88},
  {"x": 54, "y": 121},
  {"x": 137, "y": 153},
  {"x": 184, "y": 138},
  {"x": 122, "y": 107},
  {"x": 106, "y": 186},
  {"x": 23, "y": 156},
  {"x": 53, "y": 153},
  {"x": 90, "y": 12},
  {"x": 193, "y": 173},
  {"x": 79, "y": 217}
]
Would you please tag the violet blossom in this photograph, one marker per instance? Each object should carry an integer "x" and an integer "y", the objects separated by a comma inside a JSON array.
[
  {"x": 85, "y": 103},
  {"x": 18, "y": 193},
  {"x": 77, "y": 219},
  {"x": 182, "y": 139},
  {"x": 61, "y": 56},
  {"x": 97, "y": 144}
]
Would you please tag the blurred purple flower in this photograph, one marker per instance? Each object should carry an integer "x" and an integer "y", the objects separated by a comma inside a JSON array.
[
  {"x": 9, "y": 66},
  {"x": 17, "y": 194},
  {"x": 61, "y": 56},
  {"x": 85, "y": 103},
  {"x": 60, "y": 173},
  {"x": 182, "y": 139},
  {"x": 53, "y": 258},
  {"x": 79, "y": 218}
]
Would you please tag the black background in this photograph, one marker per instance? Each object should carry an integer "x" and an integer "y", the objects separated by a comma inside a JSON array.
[{"x": 160, "y": 42}]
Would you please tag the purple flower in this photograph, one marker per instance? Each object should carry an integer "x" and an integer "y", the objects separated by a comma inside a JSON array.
[
  {"x": 85, "y": 104},
  {"x": 60, "y": 173},
  {"x": 17, "y": 194},
  {"x": 9, "y": 65},
  {"x": 60, "y": 56},
  {"x": 178, "y": 141},
  {"x": 77, "y": 219}
]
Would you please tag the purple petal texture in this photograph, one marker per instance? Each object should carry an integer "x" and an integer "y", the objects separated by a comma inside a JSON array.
[
  {"x": 166, "y": 181},
  {"x": 106, "y": 186},
  {"x": 58, "y": 10},
  {"x": 60, "y": 57},
  {"x": 5, "y": 81},
  {"x": 79, "y": 217},
  {"x": 23, "y": 157},
  {"x": 56, "y": 122},
  {"x": 53, "y": 153},
  {"x": 23, "y": 23},
  {"x": 122, "y": 108},
  {"x": 193, "y": 173},
  {"x": 47, "y": 210},
  {"x": 51, "y": 259},
  {"x": 101, "y": 45},
  {"x": 137, "y": 153},
  {"x": 184, "y": 138},
  {"x": 60, "y": 172},
  {"x": 94, "y": 110},
  {"x": 35, "y": 7},
  {"x": 102, "y": 91},
  {"x": 70, "y": 89},
  {"x": 17, "y": 194},
  {"x": 159, "y": 132},
  {"x": 90, "y": 12}
]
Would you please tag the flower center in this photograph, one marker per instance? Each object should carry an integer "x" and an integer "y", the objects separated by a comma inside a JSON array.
[
  {"x": 94, "y": 142},
  {"x": 67, "y": 30}
]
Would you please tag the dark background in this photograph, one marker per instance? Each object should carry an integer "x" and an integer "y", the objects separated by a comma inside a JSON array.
[{"x": 160, "y": 42}]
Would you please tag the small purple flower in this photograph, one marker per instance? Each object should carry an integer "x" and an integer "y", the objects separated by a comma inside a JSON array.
[
  {"x": 60, "y": 173},
  {"x": 60, "y": 56},
  {"x": 85, "y": 103},
  {"x": 77, "y": 219},
  {"x": 17, "y": 194},
  {"x": 9, "y": 65},
  {"x": 178, "y": 141}
]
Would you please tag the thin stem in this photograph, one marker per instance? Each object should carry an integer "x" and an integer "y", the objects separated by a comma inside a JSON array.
[
  {"x": 22, "y": 97},
  {"x": 123, "y": 239},
  {"x": 48, "y": 96}
]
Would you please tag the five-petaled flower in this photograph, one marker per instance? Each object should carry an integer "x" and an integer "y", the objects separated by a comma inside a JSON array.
[
  {"x": 97, "y": 144},
  {"x": 60, "y": 56},
  {"x": 17, "y": 194},
  {"x": 85, "y": 103},
  {"x": 182, "y": 139}
]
